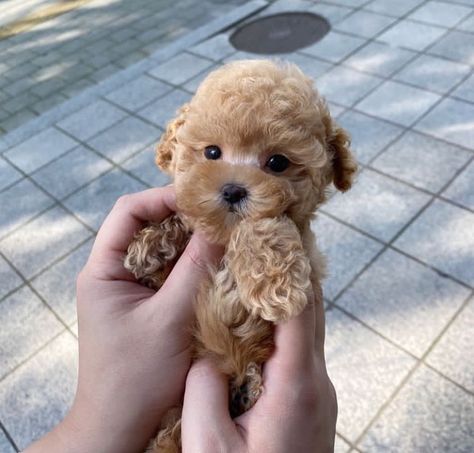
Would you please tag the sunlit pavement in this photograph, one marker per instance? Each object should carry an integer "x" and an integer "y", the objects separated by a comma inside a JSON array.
[{"x": 400, "y": 314}]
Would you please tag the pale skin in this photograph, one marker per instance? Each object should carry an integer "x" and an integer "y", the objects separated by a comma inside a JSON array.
[{"x": 135, "y": 359}]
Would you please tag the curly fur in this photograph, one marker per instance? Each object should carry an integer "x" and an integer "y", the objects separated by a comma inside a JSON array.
[
  {"x": 252, "y": 110},
  {"x": 155, "y": 250}
]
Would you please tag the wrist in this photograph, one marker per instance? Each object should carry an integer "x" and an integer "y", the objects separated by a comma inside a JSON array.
[{"x": 87, "y": 430}]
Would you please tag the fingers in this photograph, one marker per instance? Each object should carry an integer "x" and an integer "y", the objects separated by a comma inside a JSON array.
[
  {"x": 182, "y": 285},
  {"x": 320, "y": 322},
  {"x": 128, "y": 216},
  {"x": 294, "y": 343},
  {"x": 206, "y": 423}
]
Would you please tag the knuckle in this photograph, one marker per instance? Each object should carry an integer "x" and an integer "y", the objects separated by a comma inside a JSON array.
[{"x": 123, "y": 202}]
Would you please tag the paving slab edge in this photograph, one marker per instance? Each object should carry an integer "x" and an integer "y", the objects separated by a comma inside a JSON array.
[{"x": 120, "y": 78}]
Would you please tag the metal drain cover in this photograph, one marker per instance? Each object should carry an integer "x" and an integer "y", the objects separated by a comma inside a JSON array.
[{"x": 280, "y": 33}]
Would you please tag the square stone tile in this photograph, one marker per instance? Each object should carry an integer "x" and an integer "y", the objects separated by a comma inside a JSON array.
[
  {"x": 92, "y": 119},
  {"x": 193, "y": 84},
  {"x": 241, "y": 55},
  {"x": 467, "y": 24},
  {"x": 451, "y": 120},
  {"x": 335, "y": 47},
  {"x": 391, "y": 8},
  {"x": 310, "y": 66},
  {"x": 345, "y": 86},
  {"x": 340, "y": 445},
  {"x": 411, "y": 309},
  {"x": 378, "y": 205},
  {"x": 364, "y": 23},
  {"x": 8, "y": 174},
  {"x": 180, "y": 68},
  {"x": 92, "y": 203},
  {"x": 433, "y": 73},
  {"x": 347, "y": 252},
  {"x": 20, "y": 203},
  {"x": 465, "y": 91},
  {"x": 443, "y": 237},
  {"x": 27, "y": 324},
  {"x": 164, "y": 109},
  {"x": 71, "y": 171},
  {"x": 422, "y": 161},
  {"x": 333, "y": 13},
  {"x": 8, "y": 277},
  {"x": 411, "y": 35},
  {"x": 57, "y": 285},
  {"x": 461, "y": 190},
  {"x": 5, "y": 445},
  {"x": 215, "y": 48},
  {"x": 397, "y": 102},
  {"x": 336, "y": 110},
  {"x": 138, "y": 93},
  {"x": 38, "y": 395},
  {"x": 143, "y": 166},
  {"x": 37, "y": 244},
  {"x": 456, "y": 45},
  {"x": 125, "y": 138},
  {"x": 432, "y": 413},
  {"x": 364, "y": 368},
  {"x": 369, "y": 135},
  {"x": 453, "y": 355},
  {"x": 352, "y": 3},
  {"x": 379, "y": 59},
  {"x": 441, "y": 13},
  {"x": 283, "y": 6},
  {"x": 40, "y": 149},
  {"x": 75, "y": 329}
]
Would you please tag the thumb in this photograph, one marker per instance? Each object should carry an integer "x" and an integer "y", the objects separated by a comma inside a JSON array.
[
  {"x": 188, "y": 274},
  {"x": 206, "y": 422}
]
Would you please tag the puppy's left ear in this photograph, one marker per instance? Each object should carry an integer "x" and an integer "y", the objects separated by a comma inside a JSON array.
[
  {"x": 168, "y": 142},
  {"x": 338, "y": 142}
]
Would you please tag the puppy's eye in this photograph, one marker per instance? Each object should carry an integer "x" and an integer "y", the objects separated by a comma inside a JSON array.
[
  {"x": 212, "y": 152},
  {"x": 277, "y": 163}
]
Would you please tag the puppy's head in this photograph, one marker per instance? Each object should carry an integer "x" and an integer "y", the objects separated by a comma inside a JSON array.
[{"x": 255, "y": 141}]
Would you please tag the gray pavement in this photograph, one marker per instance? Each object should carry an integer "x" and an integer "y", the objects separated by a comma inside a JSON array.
[
  {"x": 400, "y": 309},
  {"x": 52, "y": 62}
]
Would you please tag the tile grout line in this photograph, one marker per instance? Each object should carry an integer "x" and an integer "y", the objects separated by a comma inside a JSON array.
[
  {"x": 418, "y": 364},
  {"x": 7, "y": 435},
  {"x": 33, "y": 354}
]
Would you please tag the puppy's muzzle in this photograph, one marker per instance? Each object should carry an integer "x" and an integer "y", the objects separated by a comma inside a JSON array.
[{"x": 233, "y": 194}]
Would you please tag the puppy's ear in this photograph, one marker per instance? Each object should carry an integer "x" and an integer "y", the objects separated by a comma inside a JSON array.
[
  {"x": 167, "y": 144},
  {"x": 344, "y": 165},
  {"x": 338, "y": 143}
]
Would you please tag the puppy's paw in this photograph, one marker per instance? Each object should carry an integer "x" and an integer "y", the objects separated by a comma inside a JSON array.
[
  {"x": 155, "y": 249},
  {"x": 270, "y": 267},
  {"x": 244, "y": 397}
]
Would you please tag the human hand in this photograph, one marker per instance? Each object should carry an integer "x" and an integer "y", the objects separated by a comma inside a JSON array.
[
  {"x": 296, "y": 412},
  {"x": 133, "y": 342}
]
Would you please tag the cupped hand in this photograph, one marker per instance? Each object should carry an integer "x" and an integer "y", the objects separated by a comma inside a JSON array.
[
  {"x": 296, "y": 412},
  {"x": 134, "y": 343}
]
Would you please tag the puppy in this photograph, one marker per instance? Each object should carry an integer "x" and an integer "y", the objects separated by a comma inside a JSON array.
[{"x": 252, "y": 156}]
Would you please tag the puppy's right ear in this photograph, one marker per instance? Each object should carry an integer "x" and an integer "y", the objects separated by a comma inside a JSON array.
[{"x": 166, "y": 147}]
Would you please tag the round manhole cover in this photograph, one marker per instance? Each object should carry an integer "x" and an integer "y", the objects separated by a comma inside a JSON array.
[{"x": 280, "y": 33}]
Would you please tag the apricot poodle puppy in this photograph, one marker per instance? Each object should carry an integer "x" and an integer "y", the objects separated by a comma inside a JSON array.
[{"x": 252, "y": 156}]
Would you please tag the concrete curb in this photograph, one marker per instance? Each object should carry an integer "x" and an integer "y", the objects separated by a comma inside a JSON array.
[{"x": 106, "y": 86}]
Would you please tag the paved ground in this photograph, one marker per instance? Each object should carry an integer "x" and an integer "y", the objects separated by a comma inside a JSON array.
[
  {"x": 55, "y": 60},
  {"x": 399, "y": 76}
]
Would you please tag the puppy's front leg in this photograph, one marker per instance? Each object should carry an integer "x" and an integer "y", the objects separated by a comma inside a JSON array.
[
  {"x": 270, "y": 267},
  {"x": 155, "y": 249}
]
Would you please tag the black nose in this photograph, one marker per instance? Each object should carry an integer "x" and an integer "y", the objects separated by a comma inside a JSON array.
[{"x": 232, "y": 193}]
